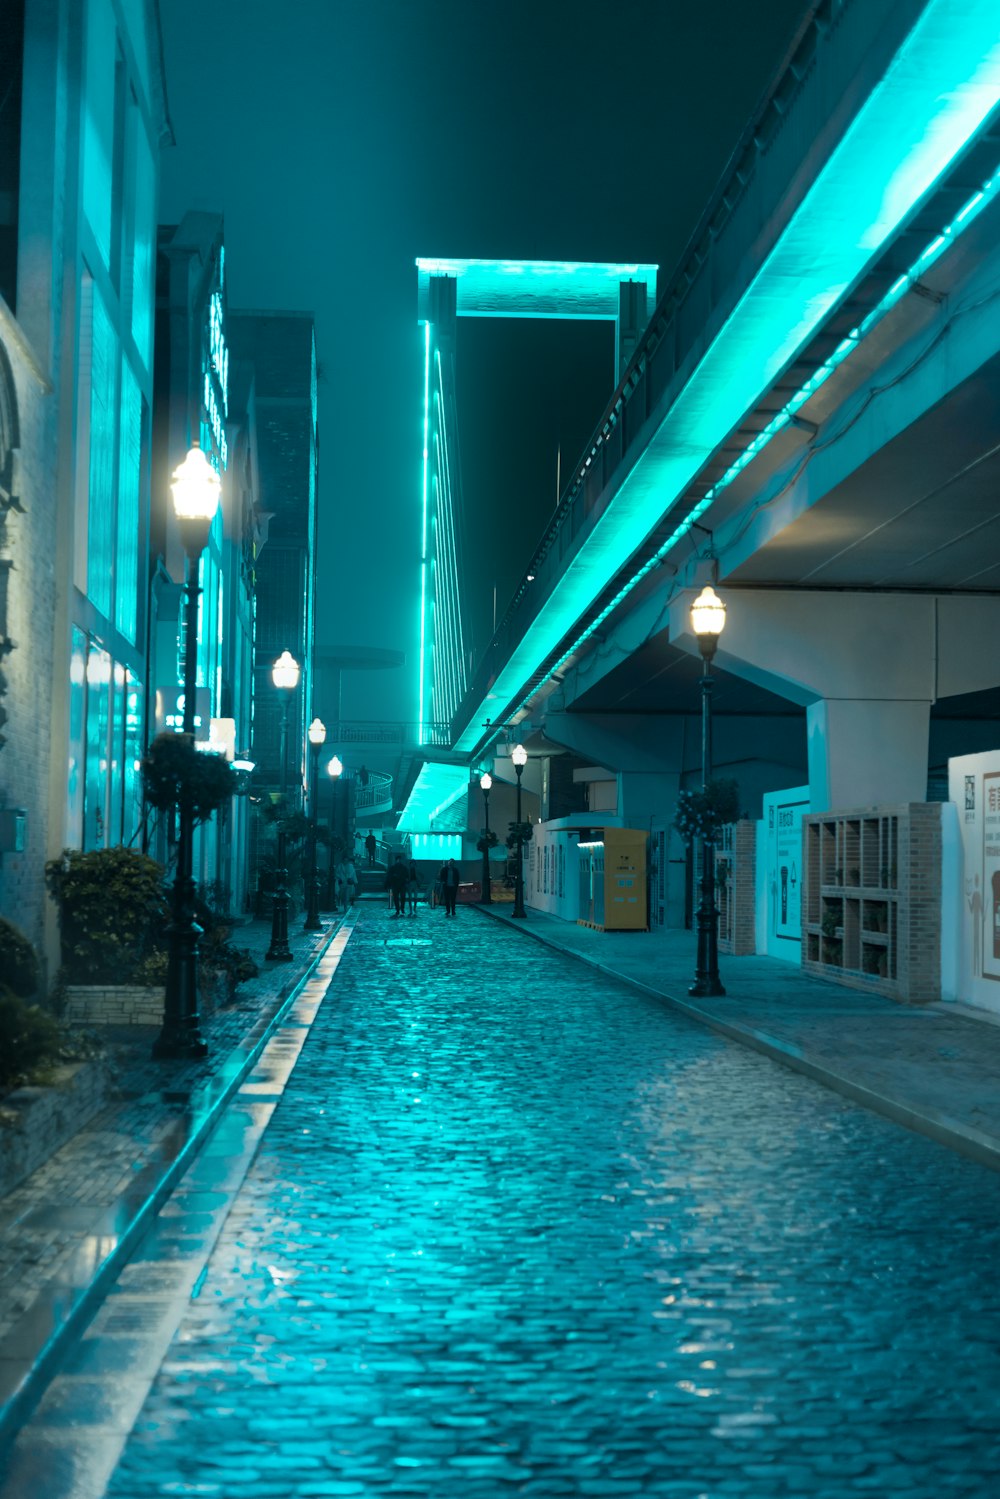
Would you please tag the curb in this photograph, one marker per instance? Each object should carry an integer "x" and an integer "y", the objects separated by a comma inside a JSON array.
[
  {"x": 979, "y": 1147},
  {"x": 208, "y": 1110}
]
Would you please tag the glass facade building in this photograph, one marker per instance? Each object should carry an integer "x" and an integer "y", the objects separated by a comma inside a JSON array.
[{"x": 83, "y": 120}]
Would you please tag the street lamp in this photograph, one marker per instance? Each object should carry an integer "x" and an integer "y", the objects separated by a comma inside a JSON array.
[
  {"x": 285, "y": 676},
  {"x": 317, "y": 737},
  {"x": 335, "y": 770},
  {"x": 195, "y": 489},
  {"x": 486, "y": 781},
  {"x": 708, "y": 620},
  {"x": 520, "y": 759}
]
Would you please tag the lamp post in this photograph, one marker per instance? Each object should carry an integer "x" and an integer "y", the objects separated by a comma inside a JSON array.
[
  {"x": 708, "y": 619},
  {"x": 486, "y": 781},
  {"x": 285, "y": 676},
  {"x": 520, "y": 759},
  {"x": 335, "y": 770},
  {"x": 195, "y": 489},
  {"x": 317, "y": 736}
]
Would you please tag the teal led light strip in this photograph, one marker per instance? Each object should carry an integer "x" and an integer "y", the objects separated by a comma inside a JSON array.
[
  {"x": 450, "y": 662},
  {"x": 423, "y": 539},
  {"x": 536, "y": 288},
  {"x": 936, "y": 93},
  {"x": 904, "y": 283}
]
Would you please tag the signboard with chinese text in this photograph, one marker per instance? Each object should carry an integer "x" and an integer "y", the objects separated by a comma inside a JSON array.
[
  {"x": 169, "y": 712},
  {"x": 974, "y": 788},
  {"x": 779, "y": 853}
]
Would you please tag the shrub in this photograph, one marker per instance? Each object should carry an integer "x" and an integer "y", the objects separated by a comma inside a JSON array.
[
  {"x": 112, "y": 910},
  {"x": 218, "y": 953},
  {"x": 29, "y": 1038},
  {"x": 18, "y": 964},
  {"x": 151, "y": 972}
]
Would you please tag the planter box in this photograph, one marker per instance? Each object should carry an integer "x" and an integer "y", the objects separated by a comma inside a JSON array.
[
  {"x": 132, "y": 1004},
  {"x": 35, "y": 1122},
  {"x": 113, "y": 1004}
]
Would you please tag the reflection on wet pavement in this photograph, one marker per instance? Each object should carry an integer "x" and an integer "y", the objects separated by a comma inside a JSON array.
[{"x": 515, "y": 1228}]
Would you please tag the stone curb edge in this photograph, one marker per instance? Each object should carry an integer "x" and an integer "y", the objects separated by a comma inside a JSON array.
[
  {"x": 21, "y": 1401},
  {"x": 958, "y": 1137}
]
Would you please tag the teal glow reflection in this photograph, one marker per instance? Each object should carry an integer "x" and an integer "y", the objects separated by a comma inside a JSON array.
[
  {"x": 422, "y": 653},
  {"x": 435, "y": 789}
]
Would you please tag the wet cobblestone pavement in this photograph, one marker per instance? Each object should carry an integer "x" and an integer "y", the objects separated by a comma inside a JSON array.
[{"x": 515, "y": 1228}]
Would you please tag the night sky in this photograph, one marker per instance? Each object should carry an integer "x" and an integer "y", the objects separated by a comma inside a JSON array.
[{"x": 342, "y": 138}]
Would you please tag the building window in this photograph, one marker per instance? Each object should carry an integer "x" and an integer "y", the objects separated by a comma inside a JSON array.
[
  {"x": 99, "y": 124},
  {"x": 126, "y": 562},
  {"x": 103, "y": 413},
  {"x": 98, "y": 715}
]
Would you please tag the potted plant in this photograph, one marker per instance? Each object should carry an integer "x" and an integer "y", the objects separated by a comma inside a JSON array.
[
  {"x": 830, "y": 926},
  {"x": 175, "y": 774},
  {"x": 703, "y": 813}
]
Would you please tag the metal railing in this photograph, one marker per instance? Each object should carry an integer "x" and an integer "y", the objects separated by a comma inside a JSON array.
[{"x": 386, "y": 731}]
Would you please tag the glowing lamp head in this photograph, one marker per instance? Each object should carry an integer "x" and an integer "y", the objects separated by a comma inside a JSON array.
[
  {"x": 195, "y": 488},
  {"x": 486, "y": 781},
  {"x": 285, "y": 672},
  {"x": 519, "y": 756},
  {"x": 317, "y": 732},
  {"x": 708, "y": 620},
  {"x": 335, "y": 767}
]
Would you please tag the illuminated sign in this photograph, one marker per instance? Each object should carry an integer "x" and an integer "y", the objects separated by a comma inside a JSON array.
[
  {"x": 215, "y": 373},
  {"x": 169, "y": 712}
]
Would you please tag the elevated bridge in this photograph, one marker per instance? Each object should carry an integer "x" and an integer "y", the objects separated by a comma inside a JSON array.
[{"x": 810, "y": 419}]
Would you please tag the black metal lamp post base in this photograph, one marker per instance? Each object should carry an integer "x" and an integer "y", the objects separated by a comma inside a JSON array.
[
  {"x": 707, "y": 989},
  {"x": 707, "y": 983},
  {"x": 312, "y": 922},
  {"x": 279, "y": 951},
  {"x": 187, "y": 1044}
]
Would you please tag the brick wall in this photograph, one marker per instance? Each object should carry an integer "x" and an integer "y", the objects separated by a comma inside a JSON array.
[
  {"x": 906, "y": 883},
  {"x": 133, "y": 1004},
  {"x": 737, "y": 898}
]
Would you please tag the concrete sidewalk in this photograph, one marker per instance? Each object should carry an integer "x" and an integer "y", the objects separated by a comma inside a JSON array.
[
  {"x": 68, "y": 1229},
  {"x": 934, "y": 1068}
]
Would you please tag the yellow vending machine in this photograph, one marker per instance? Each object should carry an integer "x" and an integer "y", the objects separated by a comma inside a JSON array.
[{"x": 613, "y": 881}]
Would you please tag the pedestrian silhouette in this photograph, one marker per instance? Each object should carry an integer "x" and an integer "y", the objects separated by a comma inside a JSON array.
[
  {"x": 396, "y": 881},
  {"x": 449, "y": 877}
]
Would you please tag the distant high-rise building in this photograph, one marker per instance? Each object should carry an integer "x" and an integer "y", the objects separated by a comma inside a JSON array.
[{"x": 281, "y": 347}]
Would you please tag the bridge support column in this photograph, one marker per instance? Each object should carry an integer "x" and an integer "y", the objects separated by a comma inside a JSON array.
[
  {"x": 866, "y": 667},
  {"x": 863, "y": 752}
]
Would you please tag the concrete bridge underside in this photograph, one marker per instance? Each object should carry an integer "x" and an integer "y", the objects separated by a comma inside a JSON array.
[{"x": 826, "y": 450}]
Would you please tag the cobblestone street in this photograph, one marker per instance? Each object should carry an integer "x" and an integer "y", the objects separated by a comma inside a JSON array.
[{"x": 516, "y": 1228}]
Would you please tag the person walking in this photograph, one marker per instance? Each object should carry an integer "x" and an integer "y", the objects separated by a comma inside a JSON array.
[
  {"x": 371, "y": 846},
  {"x": 449, "y": 877},
  {"x": 347, "y": 882},
  {"x": 395, "y": 882},
  {"x": 412, "y": 887}
]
